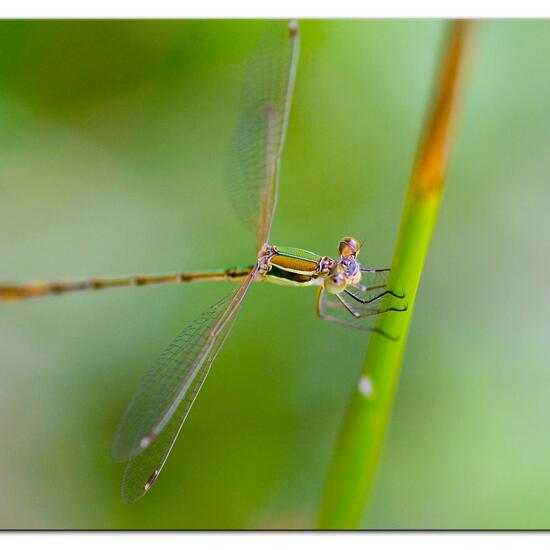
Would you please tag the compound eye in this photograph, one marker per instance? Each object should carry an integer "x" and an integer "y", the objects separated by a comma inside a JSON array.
[
  {"x": 348, "y": 246},
  {"x": 336, "y": 280}
]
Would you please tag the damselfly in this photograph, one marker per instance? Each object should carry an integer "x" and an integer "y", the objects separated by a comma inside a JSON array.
[{"x": 348, "y": 293}]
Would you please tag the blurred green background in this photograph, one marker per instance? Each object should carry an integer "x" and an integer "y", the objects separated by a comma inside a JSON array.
[{"x": 113, "y": 143}]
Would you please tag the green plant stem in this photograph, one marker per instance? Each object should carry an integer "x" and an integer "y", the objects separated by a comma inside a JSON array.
[{"x": 361, "y": 439}]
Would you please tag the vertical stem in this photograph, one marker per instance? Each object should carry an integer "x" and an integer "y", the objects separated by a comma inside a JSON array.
[{"x": 362, "y": 436}]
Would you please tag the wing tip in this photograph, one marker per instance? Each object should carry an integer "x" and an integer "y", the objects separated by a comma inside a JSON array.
[
  {"x": 293, "y": 29},
  {"x": 128, "y": 498}
]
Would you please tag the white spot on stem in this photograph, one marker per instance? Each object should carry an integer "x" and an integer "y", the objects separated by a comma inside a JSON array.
[{"x": 365, "y": 386}]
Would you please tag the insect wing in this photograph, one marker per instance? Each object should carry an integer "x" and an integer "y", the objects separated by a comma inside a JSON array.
[
  {"x": 261, "y": 129},
  {"x": 157, "y": 412},
  {"x": 374, "y": 282}
]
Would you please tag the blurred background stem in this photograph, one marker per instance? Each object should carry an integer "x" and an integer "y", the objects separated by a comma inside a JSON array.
[{"x": 362, "y": 435}]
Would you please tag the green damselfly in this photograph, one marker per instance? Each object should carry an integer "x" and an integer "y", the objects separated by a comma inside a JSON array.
[{"x": 348, "y": 293}]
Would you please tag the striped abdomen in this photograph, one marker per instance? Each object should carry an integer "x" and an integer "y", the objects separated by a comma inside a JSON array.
[{"x": 293, "y": 266}]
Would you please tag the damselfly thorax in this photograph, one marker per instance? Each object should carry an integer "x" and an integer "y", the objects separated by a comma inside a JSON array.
[{"x": 285, "y": 265}]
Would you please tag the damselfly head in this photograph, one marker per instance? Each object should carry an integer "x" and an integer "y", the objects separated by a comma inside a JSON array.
[
  {"x": 336, "y": 280},
  {"x": 348, "y": 247}
]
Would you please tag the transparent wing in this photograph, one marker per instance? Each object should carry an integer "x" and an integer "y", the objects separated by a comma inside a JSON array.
[
  {"x": 372, "y": 291},
  {"x": 260, "y": 135},
  {"x": 374, "y": 282},
  {"x": 155, "y": 415}
]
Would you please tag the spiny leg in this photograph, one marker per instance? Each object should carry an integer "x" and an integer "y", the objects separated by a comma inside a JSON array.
[
  {"x": 360, "y": 287},
  {"x": 381, "y": 295},
  {"x": 381, "y": 311},
  {"x": 359, "y": 315},
  {"x": 348, "y": 307},
  {"x": 371, "y": 287},
  {"x": 333, "y": 319},
  {"x": 372, "y": 270}
]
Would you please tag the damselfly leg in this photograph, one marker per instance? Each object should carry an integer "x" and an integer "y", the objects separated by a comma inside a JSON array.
[
  {"x": 356, "y": 308},
  {"x": 369, "y": 301}
]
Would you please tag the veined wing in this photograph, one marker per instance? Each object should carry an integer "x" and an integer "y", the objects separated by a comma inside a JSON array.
[
  {"x": 374, "y": 282},
  {"x": 157, "y": 412},
  {"x": 259, "y": 140}
]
